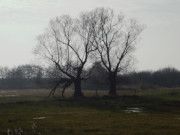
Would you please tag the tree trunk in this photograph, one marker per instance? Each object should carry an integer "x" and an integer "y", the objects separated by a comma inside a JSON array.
[
  {"x": 112, "y": 81},
  {"x": 77, "y": 88}
]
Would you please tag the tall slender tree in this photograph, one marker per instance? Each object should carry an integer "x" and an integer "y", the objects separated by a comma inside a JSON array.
[{"x": 115, "y": 39}]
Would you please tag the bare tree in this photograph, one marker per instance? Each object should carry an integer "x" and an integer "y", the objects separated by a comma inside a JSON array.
[
  {"x": 115, "y": 38},
  {"x": 67, "y": 43}
]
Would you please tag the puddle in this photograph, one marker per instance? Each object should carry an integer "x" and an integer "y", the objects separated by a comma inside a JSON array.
[
  {"x": 2, "y": 91},
  {"x": 6, "y": 91},
  {"x": 133, "y": 110},
  {"x": 9, "y": 95},
  {"x": 39, "y": 118}
]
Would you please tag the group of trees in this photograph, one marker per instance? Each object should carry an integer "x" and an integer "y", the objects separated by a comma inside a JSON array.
[
  {"x": 25, "y": 76},
  {"x": 74, "y": 44},
  {"x": 166, "y": 77},
  {"x": 93, "y": 51}
]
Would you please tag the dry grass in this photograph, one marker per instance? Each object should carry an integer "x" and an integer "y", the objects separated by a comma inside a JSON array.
[{"x": 45, "y": 92}]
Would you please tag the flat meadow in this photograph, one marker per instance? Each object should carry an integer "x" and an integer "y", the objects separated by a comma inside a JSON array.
[{"x": 32, "y": 112}]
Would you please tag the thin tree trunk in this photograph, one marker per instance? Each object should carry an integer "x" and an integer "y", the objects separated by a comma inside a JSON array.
[
  {"x": 54, "y": 89},
  {"x": 77, "y": 88}
]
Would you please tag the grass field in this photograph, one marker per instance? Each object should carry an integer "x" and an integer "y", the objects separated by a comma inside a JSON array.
[{"x": 150, "y": 112}]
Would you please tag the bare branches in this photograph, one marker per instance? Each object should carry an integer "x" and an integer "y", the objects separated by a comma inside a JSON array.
[
  {"x": 69, "y": 43},
  {"x": 115, "y": 37}
]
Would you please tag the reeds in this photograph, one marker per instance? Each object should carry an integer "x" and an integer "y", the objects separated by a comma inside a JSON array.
[{"x": 19, "y": 131}]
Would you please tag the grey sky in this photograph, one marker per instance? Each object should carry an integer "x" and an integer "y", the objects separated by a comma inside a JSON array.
[{"x": 22, "y": 20}]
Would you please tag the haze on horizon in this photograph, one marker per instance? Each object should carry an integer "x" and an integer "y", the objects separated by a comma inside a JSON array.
[{"x": 22, "y": 20}]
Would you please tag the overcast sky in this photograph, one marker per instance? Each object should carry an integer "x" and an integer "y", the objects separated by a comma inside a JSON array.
[{"x": 22, "y": 20}]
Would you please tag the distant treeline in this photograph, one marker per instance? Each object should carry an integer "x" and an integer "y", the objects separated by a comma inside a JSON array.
[
  {"x": 23, "y": 77},
  {"x": 36, "y": 77},
  {"x": 164, "y": 78}
]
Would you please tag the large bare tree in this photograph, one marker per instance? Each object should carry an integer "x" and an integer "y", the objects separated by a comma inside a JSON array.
[
  {"x": 68, "y": 43},
  {"x": 115, "y": 38}
]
